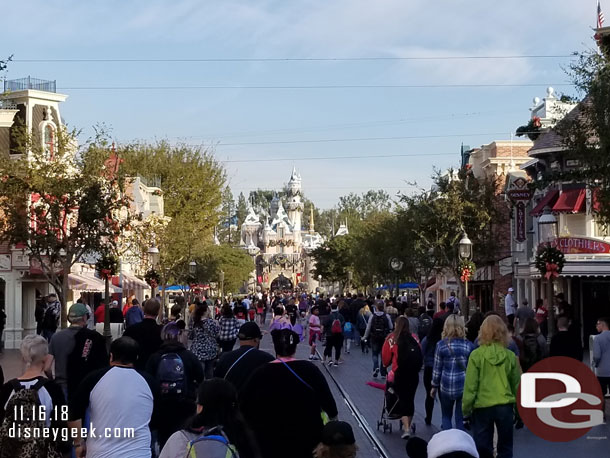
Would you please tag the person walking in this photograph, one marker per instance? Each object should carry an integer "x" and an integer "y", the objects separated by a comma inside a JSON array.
[
  {"x": 333, "y": 330},
  {"x": 490, "y": 389},
  {"x": 450, "y": 361},
  {"x": 362, "y": 322},
  {"x": 26, "y": 393},
  {"x": 119, "y": 398},
  {"x": 428, "y": 346},
  {"x": 147, "y": 333},
  {"x": 116, "y": 315},
  {"x": 315, "y": 330},
  {"x": 510, "y": 306},
  {"x": 217, "y": 416},
  {"x": 76, "y": 351},
  {"x": 601, "y": 356},
  {"x": 402, "y": 354},
  {"x": 523, "y": 313},
  {"x": 228, "y": 329},
  {"x": 564, "y": 343},
  {"x": 284, "y": 402},
  {"x": 203, "y": 333},
  {"x": 377, "y": 329},
  {"x": 178, "y": 374},
  {"x": 51, "y": 317},
  {"x": 134, "y": 314},
  {"x": 238, "y": 365},
  {"x": 533, "y": 344},
  {"x": 542, "y": 315}
]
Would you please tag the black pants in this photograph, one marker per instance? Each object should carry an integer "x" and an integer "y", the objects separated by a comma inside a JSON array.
[
  {"x": 406, "y": 387},
  {"x": 227, "y": 345},
  {"x": 333, "y": 341},
  {"x": 429, "y": 403}
]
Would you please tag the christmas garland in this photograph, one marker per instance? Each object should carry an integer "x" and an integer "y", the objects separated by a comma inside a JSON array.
[
  {"x": 549, "y": 261},
  {"x": 107, "y": 266},
  {"x": 467, "y": 270},
  {"x": 152, "y": 277},
  {"x": 531, "y": 129}
]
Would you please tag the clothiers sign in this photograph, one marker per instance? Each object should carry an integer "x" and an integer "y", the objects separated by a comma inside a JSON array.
[{"x": 581, "y": 245}]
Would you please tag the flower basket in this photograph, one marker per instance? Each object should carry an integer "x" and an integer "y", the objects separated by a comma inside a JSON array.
[
  {"x": 107, "y": 266},
  {"x": 467, "y": 270},
  {"x": 549, "y": 261},
  {"x": 152, "y": 277}
]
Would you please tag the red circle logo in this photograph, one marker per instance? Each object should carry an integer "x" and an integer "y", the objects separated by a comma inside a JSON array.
[{"x": 560, "y": 399}]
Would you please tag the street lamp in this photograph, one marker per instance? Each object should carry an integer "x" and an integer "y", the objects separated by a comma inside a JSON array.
[
  {"x": 221, "y": 279},
  {"x": 547, "y": 232},
  {"x": 465, "y": 252},
  {"x": 396, "y": 265},
  {"x": 192, "y": 268}
]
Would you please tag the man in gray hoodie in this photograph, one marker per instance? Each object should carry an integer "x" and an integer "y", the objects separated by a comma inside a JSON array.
[
  {"x": 378, "y": 327},
  {"x": 601, "y": 356}
]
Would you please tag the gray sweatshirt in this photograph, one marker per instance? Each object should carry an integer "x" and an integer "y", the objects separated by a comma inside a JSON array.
[{"x": 601, "y": 354}]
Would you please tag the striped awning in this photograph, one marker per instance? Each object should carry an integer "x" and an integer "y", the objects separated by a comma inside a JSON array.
[
  {"x": 84, "y": 282},
  {"x": 131, "y": 282}
]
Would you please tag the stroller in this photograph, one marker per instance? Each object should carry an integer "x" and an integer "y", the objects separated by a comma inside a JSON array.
[{"x": 389, "y": 410}]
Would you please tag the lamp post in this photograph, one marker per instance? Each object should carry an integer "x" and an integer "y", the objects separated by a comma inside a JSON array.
[
  {"x": 153, "y": 257},
  {"x": 319, "y": 283},
  {"x": 396, "y": 265},
  {"x": 465, "y": 252},
  {"x": 350, "y": 276},
  {"x": 221, "y": 279},
  {"x": 547, "y": 232}
]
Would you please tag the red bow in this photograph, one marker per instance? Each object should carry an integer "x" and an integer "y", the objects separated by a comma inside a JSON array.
[
  {"x": 552, "y": 270},
  {"x": 106, "y": 273}
]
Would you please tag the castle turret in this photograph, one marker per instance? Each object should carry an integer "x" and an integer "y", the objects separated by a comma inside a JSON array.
[{"x": 295, "y": 206}]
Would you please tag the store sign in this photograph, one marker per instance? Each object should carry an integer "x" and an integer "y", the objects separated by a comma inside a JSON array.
[
  {"x": 517, "y": 195},
  {"x": 581, "y": 245},
  {"x": 520, "y": 235}
]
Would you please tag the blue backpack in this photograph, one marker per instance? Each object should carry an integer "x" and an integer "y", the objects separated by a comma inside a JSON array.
[
  {"x": 171, "y": 376},
  {"x": 212, "y": 444}
]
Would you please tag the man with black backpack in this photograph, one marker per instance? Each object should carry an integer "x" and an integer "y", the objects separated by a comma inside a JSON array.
[
  {"x": 50, "y": 318},
  {"x": 77, "y": 351},
  {"x": 377, "y": 329},
  {"x": 333, "y": 330},
  {"x": 179, "y": 373}
]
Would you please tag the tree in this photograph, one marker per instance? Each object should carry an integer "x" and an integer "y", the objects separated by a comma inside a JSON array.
[
  {"x": 334, "y": 259},
  {"x": 226, "y": 231},
  {"x": 4, "y": 63},
  {"x": 192, "y": 182},
  {"x": 241, "y": 210},
  {"x": 61, "y": 204}
]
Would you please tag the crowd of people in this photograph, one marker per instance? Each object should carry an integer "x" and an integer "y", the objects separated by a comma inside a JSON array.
[{"x": 182, "y": 387}]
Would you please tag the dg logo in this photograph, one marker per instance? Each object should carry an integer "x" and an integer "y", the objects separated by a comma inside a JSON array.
[{"x": 559, "y": 399}]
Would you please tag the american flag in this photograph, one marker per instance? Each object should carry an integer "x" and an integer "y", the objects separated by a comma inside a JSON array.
[{"x": 600, "y": 16}]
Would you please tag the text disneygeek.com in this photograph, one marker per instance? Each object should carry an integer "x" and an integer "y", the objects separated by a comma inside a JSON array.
[{"x": 63, "y": 434}]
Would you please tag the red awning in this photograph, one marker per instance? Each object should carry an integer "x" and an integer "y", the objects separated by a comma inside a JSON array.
[
  {"x": 571, "y": 201},
  {"x": 548, "y": 200}
]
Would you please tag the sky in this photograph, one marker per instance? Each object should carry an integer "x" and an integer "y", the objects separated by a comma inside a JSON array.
[{"x": 160, "y": 64}]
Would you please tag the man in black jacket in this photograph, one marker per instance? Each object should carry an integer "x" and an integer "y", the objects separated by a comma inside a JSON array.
[
  {"x": 565, "y": 343},
  {"x": 179, "y": 373},
  {"x": 147, "y": 333}
]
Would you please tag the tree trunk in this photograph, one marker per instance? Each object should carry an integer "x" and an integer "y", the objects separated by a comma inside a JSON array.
[{"x": 63, "y": 295}]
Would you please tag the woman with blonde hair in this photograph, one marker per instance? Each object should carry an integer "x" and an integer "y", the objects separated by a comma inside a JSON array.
[
  {"x": 364, "y": 315},
  {"x": 490, "y": 389},
  {"x": 449, "y": 370},
  {"x": 402, "y": 354}
]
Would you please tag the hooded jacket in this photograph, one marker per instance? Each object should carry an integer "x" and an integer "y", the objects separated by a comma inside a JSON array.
[{"x": 492, "y": 378}]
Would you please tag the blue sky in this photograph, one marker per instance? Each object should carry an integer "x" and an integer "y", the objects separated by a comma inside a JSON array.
[{"x": 221, "y": 118}]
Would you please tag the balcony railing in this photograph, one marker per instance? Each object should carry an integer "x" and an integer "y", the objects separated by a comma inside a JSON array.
[{"x": 24, "y": 84}]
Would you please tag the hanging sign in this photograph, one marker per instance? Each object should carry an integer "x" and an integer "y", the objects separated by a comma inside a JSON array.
[{"x": 520, "y": 235}]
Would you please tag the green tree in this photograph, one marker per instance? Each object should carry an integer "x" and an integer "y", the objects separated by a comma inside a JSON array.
[
  {"x": 241, "y": 210},
  {"x": 61, "y": 205},
  {"x": 192, "y": 182},
  {"x": 226, "y": 229}
]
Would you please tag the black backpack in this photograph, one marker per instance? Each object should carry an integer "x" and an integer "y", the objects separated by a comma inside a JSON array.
[
  {"x": 379, "y": 328},
  {"x": 49, "y": 321},
  {"x": 425, "y": 323},
  {"x": 89, "y": 354},
  {"x": 532, "y": 353},
  {"x": 410, "y": 357}
]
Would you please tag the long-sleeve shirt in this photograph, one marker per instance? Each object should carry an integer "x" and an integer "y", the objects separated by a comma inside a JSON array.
[
  {"x": 370, "y": 323},
  {"x": 449, "y": 370},
  {"x": 601, "y": 354}
]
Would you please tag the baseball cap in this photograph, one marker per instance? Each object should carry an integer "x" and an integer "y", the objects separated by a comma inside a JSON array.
[
  {"x": 451, "y": 440},
  {"x": 77, "y": 311},
  {"x": 338, "y": 433},
  {"x": 249, "y": 331},
  {"x": 510, "y": 290},
  {"x": 114, "y": 304}
]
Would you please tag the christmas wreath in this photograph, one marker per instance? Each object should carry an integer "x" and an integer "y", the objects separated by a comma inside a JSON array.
[
  {"x": 549, "y": 261},
  {"x": 107, "y": 266},
  {"x": 467, "y": 270},
  {"x": 531, "y": 129},
  {"x": 152, "y": 277}
]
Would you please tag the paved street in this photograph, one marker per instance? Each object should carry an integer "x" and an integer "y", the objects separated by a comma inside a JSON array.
[{"x": 353, "y": 374}]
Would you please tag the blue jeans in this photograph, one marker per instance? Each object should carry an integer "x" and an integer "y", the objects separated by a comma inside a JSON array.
[
  {"x": 483, "y": 421},
  {"x": 447, "y": 405},
  {"x": 376, "y": 351}
]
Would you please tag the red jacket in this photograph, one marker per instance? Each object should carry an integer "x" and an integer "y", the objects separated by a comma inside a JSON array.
[
  {"x": 389, "y": 352},
  {"x": 99, "y": 313}
]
